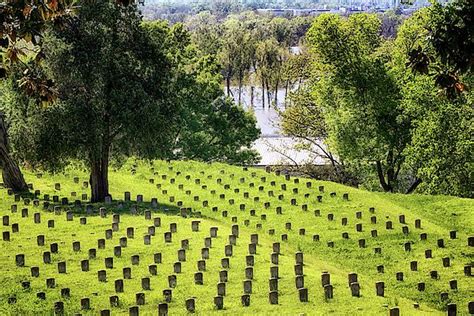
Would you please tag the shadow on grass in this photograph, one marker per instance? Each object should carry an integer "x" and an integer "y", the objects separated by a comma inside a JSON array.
[{"x": 118, "y": 207}]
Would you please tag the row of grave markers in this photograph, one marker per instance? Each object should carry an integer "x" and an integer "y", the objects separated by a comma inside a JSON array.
[{"x": 470, "y": 239}]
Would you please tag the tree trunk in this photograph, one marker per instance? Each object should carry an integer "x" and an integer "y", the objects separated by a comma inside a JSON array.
[
  {"x": 391, "y": 179},
  {"x": 268, "y": 94},
  {"x": 386, "y": 187},
  {"x": 228, "y": 85},
  {"x": 99, "y": 178},
  {"x": 240, "y": 88},
  {"x": 414, "y": 185},
  {"x": 276, "y": 92},
  {"x": 12, "y": 176},
  {"x": 252, "y": 91},
  {"x": 263, "y": 93}
]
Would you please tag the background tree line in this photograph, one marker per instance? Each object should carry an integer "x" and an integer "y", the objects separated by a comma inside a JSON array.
[
  {"x": 253, "y": 50},
  {"x": 178, "y": 10},
  {"x": 264, "y": 51}
]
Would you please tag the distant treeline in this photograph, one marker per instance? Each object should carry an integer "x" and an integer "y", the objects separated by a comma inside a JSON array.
[
  {"x": 176, "y": 10},
  {"x": 263, "y": 51}
]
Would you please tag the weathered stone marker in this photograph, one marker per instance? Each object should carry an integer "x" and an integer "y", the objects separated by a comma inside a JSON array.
[
  {"x": 191, "y": 305},
  {"x": 355, "y": 289},
  {"x": 303, "y": 294},
  {"x": 399, "y": 276},
  {"x": 219, "y": 302},
  {"x": 163, "y": 309},
  {"x": 109, "y": 262},
  {"x": 146, "y": 284},
  {"x": 198, "y": 278},
  {"x": 328, "y": 291},
  {"x": 421, "y": 286},
  {"x": 273, "y": 297},
  {"x": 114, "y": 301},
  {"x": 127, "y": 273},
  {"x": 172, "y": 281},
  {"x": 249, "y": 273},
  {"x": 85, "y": 265},
  {"x": 452, "y": 310},
  {"x": 245, "y": 299},
  {"x": 20, "y": 260},
  {"x": 395, "y": 311},
  {"x": 50, "y": 283},
  {"x": 325, "y": 279},
  {"x": 119, "y": 286},
  {"x": 380, "y": 288},
  {"x": 273, "y": 284},
  {"x": 59, "y": 308},
  {"x": 299, "y": 281}
]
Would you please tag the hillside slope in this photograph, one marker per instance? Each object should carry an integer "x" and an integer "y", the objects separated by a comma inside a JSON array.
[{"x": 334, "y": 235}]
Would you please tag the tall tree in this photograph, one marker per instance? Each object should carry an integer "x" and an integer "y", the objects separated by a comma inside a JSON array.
[
  {"x": 22, "y": 24},
  {"x": 210, "y": 127},
  {"x": 441, "y": 148},
  {"x": 267, "y": 55},
  {"x": 112, "y": 83},
  {"x": 205, "y": 32},
  {"x": 359, "y": 96},
  {"x": 128, "y": 89}
]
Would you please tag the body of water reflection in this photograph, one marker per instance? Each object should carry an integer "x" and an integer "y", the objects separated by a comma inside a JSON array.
[{"x": 273, "y": 147}]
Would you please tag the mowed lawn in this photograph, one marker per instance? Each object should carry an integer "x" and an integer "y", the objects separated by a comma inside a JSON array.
[{"x": 335, "y": 235}]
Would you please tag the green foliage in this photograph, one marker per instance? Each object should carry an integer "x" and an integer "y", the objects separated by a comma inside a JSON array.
[
  {"x": 112, "y": 84},
  {"x": 358, "y": 96},
  {"x": 252, "y": 48},
  {"x": 381, "y": 116},
  {"x": 127, "y": 89},
  {"x": 209, "y": 127},
  {"x": 378, "y": 113},
  {"x": 441, "y": 147},
  {"x": 447, "y": 51},
  {"x": 451, "y": 34}
]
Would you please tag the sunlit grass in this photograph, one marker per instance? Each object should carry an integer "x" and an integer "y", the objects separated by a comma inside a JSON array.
[{"x": 439, "y": 215}]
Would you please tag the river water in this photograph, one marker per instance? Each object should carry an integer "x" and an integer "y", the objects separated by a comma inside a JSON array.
[{"x": 273, "y": 147}]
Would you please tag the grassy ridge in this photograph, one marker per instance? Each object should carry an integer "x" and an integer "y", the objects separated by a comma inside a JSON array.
[{"x": 439, "y": 215}]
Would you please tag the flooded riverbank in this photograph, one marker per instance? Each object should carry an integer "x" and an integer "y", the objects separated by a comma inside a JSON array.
[{"x": 274, "y": 147}]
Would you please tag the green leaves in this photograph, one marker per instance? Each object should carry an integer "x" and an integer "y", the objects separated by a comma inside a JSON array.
[
  {"x": 418, "y": 60},
  {"x": 445, "y": 44},
  {"x": 357, "y": 95}
]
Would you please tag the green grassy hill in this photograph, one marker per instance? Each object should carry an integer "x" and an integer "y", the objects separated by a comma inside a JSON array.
[{"x": 330, "y": 234}]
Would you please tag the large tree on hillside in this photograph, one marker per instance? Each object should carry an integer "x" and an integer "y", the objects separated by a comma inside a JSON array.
[
  {"x": 126, "y": 89},
  {"x": 113, "y": 84},
  {"x": 359, "y": 97},
  {"x": 22, "y": 24}
]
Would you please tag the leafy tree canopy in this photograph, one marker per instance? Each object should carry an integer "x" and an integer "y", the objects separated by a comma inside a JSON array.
[{"x": 126, "y": 89}]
